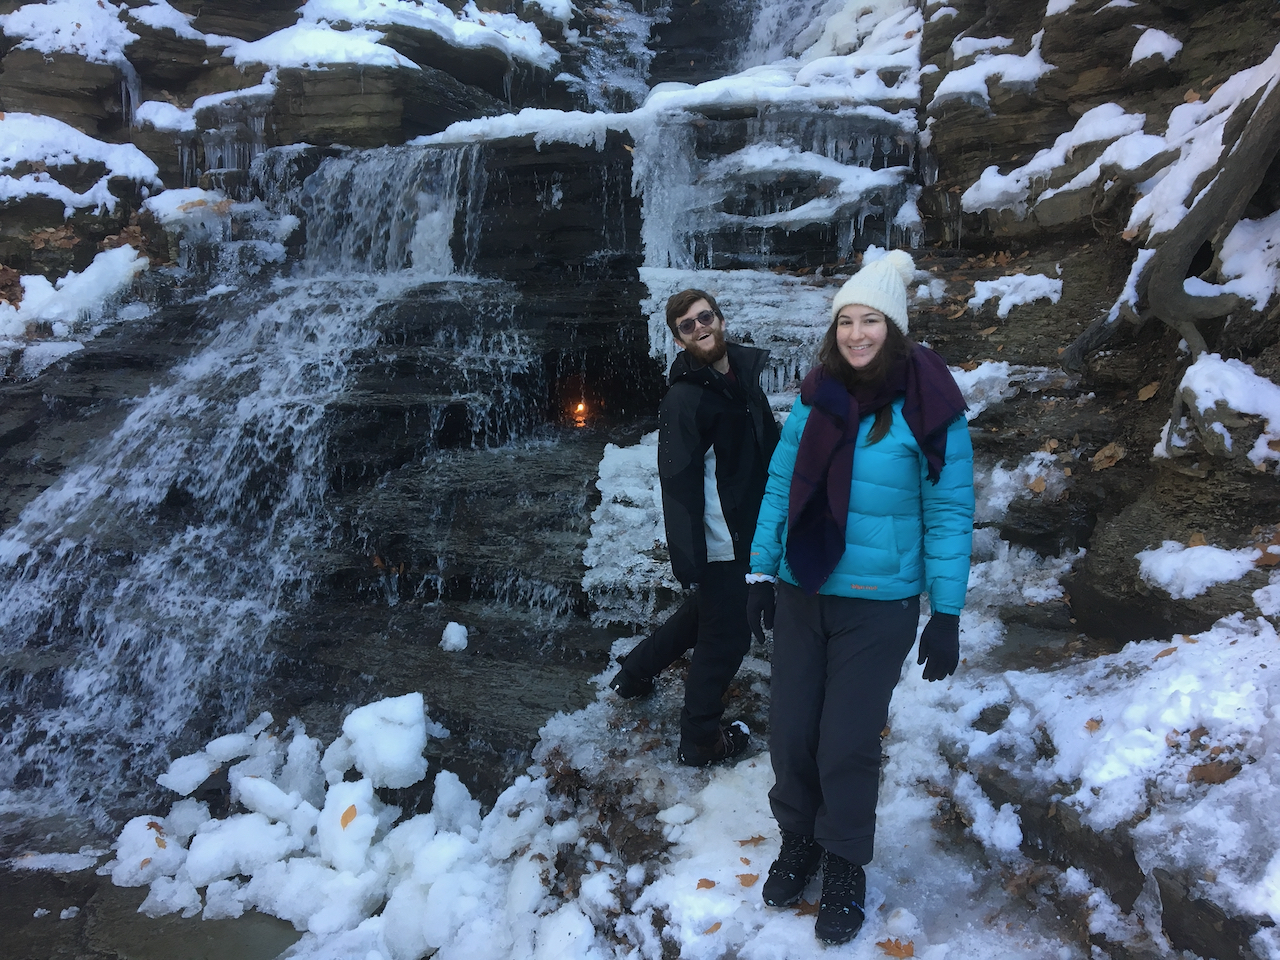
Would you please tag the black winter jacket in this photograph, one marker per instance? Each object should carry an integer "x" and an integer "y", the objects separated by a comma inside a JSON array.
[{"x": 703, "y": 410}]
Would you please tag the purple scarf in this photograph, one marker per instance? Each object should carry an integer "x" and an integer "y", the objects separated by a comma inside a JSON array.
[{"x": 819, "y": 501}]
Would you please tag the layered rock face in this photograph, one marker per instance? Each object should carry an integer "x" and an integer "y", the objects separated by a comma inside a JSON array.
[{"x": 460, "y": 452}]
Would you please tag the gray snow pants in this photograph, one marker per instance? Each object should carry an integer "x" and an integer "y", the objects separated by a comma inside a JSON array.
[{"x": 836, "y": 661}]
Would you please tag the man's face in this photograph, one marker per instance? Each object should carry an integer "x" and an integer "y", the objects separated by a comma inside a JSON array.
[{"x": 704, "y": 338}]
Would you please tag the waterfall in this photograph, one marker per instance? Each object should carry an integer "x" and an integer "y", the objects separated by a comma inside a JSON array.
[{"x": 136, "y": 593}]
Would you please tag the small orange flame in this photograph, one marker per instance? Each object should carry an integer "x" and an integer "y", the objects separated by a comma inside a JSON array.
[{"x": 582, "y": 408}]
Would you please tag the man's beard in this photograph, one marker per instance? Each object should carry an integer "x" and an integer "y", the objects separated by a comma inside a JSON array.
[{"x": 707, "y": 355}]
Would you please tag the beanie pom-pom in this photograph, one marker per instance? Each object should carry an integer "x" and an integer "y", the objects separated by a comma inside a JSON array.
[{"x": 901, "y": 261}]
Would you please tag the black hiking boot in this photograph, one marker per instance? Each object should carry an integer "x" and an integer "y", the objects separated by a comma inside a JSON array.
[
  {"x": 628, "y": 686},
  {"x": 726, "y": 745},
  {"x": 844, "y": 894},
  {"x": 797, "y": 863}
]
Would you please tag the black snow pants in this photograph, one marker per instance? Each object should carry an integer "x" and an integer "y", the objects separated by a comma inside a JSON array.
[
  {"x": 713, "y": 622},
  {"x": 836, "y": 661}
]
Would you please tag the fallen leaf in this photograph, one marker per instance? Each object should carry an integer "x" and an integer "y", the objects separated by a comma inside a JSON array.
[
  {"x": 987, "y": 332},
  {"x": 745, "y": 862},
  {"x": 806, "y": 909},
  {"x": 1129, "y": 234},
  {"x": 896, "y": 948},
  {"x": 1215, "y": 771},
  {"x": 1271, "y": 444},
  {"x": 160, "y": 843},
  {"x": 1037, "y": 485},
  {"x": 1191, "y": 97},
  {"x": 1171, "y": 738},
  {"x": 348, "y": 815},
  {"x": 1066, "y": 471},
  {"x": 751, "y": 841},
  {"x": 748, "y": 879},
  {"x": 705, "y": 884},
  {"x": 192, "y": 204},
  {"x": 1198, "y": 734},
  {"x": 1197, "y": 540},
  {"x": 1165, "y": 652},
  {"x": 1149, "y": 391},
  {"x": 1108, "y": 456},
  {"x": 956, "y": 311},
  {"x": 152, "y": 825},
  {"x": 909, "y": 34},
  {"x": 145, "y": 861},
  {"x": 1093, "y": 725},
  {"x": 711, "y": 929}
]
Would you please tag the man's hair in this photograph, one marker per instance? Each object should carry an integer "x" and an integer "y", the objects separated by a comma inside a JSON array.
[{"x": 678, "y": 303}]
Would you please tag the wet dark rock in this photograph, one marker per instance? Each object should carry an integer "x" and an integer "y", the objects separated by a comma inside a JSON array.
[
  {"x": 366, "y": 106},
  {"x": 244, "y": 19},
  {"x": 83, "y": 94},
  {"x": 699, "y": 40}
]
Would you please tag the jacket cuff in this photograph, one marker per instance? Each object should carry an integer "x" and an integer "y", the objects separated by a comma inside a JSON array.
[{"x": 761, "y": 578}]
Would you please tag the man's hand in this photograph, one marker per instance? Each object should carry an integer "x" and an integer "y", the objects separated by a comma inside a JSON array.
[
  {"x": 940, "y": 646},
  {"x": 761, "y": 605}
]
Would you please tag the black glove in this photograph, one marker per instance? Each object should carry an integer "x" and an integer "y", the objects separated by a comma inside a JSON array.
[
  {"x": 940, "y": 646},
  {"x": 761, "y": 605}
]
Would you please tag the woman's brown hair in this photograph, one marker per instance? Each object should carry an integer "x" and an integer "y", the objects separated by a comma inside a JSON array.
[{"x": 896, "y": 347}]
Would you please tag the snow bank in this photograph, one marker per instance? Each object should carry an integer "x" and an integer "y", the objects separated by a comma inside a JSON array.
[
  {"x": 1185, "y": 572},
  {"x": 970, "y": 83},
  {"x": 91, "y": 29},
  {"x": 315, "y": 45},
  {"x": 1013, "y": 291},
  {"x": 52, "y": 143},
  {"x": 75, "y": 299},
  {"x": 1212, "y": 383}
]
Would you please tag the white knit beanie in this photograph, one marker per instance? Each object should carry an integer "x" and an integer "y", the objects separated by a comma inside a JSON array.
[{"x": 882, "y": 286}]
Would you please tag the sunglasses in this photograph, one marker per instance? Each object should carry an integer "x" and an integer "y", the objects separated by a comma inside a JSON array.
[{"x": 704, "y": 319}]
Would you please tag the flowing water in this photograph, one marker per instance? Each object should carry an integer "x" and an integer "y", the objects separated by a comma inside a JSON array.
[{"x": 135, "y": 593}]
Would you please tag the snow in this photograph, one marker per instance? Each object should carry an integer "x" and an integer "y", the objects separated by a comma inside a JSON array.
[
  {"x": 52, "y": 143},
  {"x": 65, "y": 304},
  {"x": 970, "y": 83},
  {"x": 316, "y": 45},
  {"x": 159, "y": 15},
  {"x": 1014, "y": 290},
  {"x": 1128, "y": 147},
  {"x": 91, "y": 29},
  {"x": 1155, "y": 43},
  {"x": 454, "y": 638},
  {"x": 1212, "y": 383},
  {"x": 1185, "y": 572},
  {"x": 469, "y": 28},
  {"x": 1195, "y": 131}
]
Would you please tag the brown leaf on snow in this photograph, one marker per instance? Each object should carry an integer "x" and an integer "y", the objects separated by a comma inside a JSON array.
[
  {"x": 348, "y": 815},
  {"x": 896, "y": 948},
  {"x": 145, "y": 861},
  {"x": 1149, "y": 391},
  {"x": 1171, "y": 738},
  {"x": 751, "y": 841},
  {"x": 1093, "y": 725},
  {"x": 748, "y": 879},
  {"x": 705, "y": 884},
  {"x": 1037, "y": 485},
  {"x": 1108, "y": 456},
  {"x": 711, "y": 929},
  {"x": 152, "y": 825},
  {"x": 745, "y": 861},
  {"x": 806, "y": 909},
  {"x": 1165, "y": 652},
  {"x": 1215, "y": 771},
  {"x": 1191, "y": 97},
  {"x": 1197, "y": 539},
  {"x": 160, "y": 843}
]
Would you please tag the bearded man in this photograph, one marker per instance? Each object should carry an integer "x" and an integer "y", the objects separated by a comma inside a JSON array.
[{"x": 715, "y": 436}]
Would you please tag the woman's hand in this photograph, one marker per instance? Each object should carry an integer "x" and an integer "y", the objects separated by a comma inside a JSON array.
[{"x": 940, "y": 646}]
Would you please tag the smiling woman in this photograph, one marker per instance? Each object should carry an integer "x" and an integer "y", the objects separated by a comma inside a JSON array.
[{"x": 869, "y": 504}]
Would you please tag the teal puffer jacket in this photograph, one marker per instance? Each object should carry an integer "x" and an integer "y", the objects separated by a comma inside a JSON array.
[{"x": 904, "y": 535}]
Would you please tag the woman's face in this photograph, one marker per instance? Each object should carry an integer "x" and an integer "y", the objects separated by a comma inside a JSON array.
[{"x": 860, "y": 334}]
